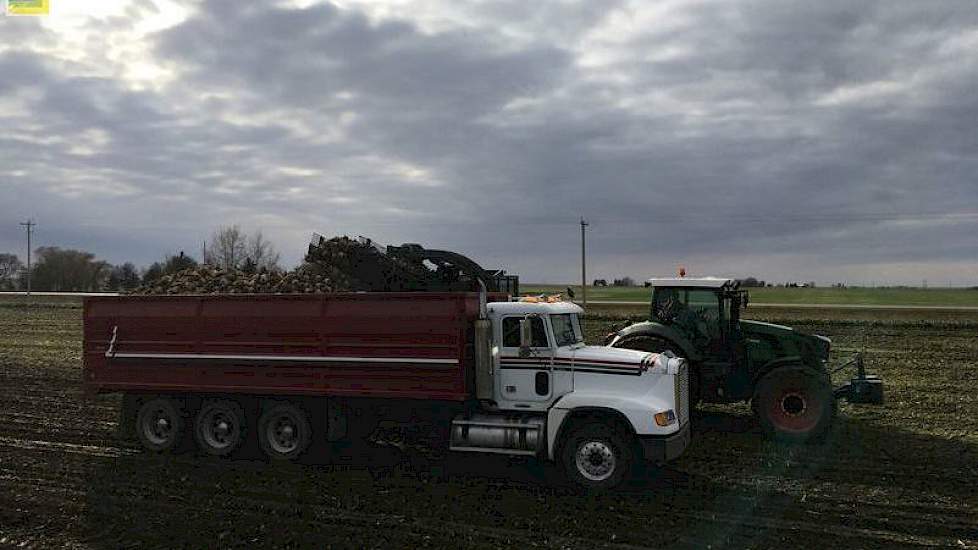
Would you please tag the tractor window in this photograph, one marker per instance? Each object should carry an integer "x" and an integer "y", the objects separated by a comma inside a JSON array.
[
  {"x": 696, "y": 312},
  {"x": 511, "y": 332},
  {"x": 704, "y": 303},
  {"x": 728, "y": 308}
]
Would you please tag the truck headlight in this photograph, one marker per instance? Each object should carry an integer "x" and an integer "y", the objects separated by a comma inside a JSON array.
[{"x": 665, "y": 418}]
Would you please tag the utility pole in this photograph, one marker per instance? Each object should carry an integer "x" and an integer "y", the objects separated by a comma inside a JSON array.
[
  {"x": 584, "y": 224},
  {"x": 29, "y": 225}
]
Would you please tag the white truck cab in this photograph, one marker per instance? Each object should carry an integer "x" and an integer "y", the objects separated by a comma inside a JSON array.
[{"x": 594, "y": 409}]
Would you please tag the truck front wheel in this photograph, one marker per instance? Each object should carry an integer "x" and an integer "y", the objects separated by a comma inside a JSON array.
[
  {"x": 284, "y": 431},
  {"x": 596, "y": 457},
  {"x": 159, "y": 424},
  {"x": 793, "y": 404}
]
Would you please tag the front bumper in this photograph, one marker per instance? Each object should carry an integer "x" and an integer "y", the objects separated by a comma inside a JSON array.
[{"x": 665, "y": 448}]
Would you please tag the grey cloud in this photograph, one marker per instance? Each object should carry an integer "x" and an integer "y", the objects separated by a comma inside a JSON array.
[{"x": 835, "y": 131}]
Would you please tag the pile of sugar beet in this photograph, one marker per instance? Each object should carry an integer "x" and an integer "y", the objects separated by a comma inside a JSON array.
[{"x": 340, "y": 264}]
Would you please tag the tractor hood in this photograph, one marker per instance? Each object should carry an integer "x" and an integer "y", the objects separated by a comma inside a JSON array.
[
  {"x": 759, "y": 327},
  {"x": 777, "y": 341}
]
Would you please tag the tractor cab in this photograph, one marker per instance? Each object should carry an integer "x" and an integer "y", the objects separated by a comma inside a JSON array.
[{"x": 705, "y": 311}]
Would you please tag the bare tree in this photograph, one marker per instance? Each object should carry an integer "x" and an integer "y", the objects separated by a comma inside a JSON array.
[
  {"x": 261, "y": 252},
  {"x": 231, "y": 248},
  {"x": 227, "y": 248}
]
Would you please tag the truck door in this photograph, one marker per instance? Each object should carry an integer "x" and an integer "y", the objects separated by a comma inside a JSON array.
[{"x": 526, "y": 379}]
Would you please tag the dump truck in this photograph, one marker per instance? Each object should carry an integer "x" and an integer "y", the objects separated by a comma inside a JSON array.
[
  {"x": 785, "y": 374},
  {"x": 483, "y": 372}
]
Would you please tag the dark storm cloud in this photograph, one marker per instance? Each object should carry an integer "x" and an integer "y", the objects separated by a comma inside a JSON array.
[{"x": 798, "y": 140}]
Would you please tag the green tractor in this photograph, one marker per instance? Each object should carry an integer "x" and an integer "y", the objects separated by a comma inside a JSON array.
[{"x": 784, "y": 374}]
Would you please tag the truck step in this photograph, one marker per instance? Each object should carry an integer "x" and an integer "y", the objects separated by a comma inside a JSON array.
[{"x": 516, "y": 452}]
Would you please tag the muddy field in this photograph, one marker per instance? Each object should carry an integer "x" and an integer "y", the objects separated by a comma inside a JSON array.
[{"x": 901, "y": 475}]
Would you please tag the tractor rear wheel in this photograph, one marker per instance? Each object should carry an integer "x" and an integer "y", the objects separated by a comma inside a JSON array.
[{"x": 794, "y": 404}]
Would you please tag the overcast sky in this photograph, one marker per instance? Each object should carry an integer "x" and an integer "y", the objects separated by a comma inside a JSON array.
[{"x": 823, "y": 141}]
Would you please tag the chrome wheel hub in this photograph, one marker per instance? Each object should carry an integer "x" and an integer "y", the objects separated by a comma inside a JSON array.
[
  {"x": 284, "y": 434},
  {"x": 595, "y": 460},
  {"x": 219, "y": 428},
  {"x": 159, "y": 428}
]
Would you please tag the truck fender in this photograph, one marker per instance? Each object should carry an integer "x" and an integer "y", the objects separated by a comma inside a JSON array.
[
  {"x": 651, "y": 328},
  {"x": 636, "y": 414}
]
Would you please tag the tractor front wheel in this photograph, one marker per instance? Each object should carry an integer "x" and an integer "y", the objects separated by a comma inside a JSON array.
[{"x": 794, "y": 404}]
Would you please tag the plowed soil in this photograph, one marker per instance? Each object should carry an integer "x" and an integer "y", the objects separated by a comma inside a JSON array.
[{"x": 901, "y": 475}]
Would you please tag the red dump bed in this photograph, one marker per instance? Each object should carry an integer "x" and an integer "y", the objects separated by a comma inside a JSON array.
[{"x": 410, "y": 345}]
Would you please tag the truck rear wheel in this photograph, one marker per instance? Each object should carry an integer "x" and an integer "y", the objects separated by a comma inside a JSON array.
[
  {"x": 159, "y": 424},
  {"x": 219, "y": 427},
  {"x": 793, "y": 404},
  {"x": 284, "y": 431},
  {"x": 595, "y": 457}
]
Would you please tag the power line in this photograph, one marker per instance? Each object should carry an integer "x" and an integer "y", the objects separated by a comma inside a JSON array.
[{"x": 29, "y": 225}]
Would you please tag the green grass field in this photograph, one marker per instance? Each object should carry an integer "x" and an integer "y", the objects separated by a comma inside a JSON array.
[{"x": 956, "y": 297}]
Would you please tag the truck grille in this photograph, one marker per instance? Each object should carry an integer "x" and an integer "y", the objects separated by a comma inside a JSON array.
[{"x": 682, "y": 395}]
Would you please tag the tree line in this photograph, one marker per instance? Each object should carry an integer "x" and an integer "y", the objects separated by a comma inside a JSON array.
[{"x": 56, "y": 269}]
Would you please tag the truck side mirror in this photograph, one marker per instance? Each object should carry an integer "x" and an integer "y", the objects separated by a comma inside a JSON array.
[
  {"x": 526, "y": 336},
  {"x": 743, "y": 301}
]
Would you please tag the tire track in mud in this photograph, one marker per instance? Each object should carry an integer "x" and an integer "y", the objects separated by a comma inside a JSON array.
[
  {"x": 754, "y": 523},
  {"x": 760, "y": 523},
  {"x": 60, "y": 447},
  {"x": 67, "y": 480},
  {"x": 261, "y": 504}
]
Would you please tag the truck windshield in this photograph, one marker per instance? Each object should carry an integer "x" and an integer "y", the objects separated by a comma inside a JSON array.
[{"x": 567, "y": 329}]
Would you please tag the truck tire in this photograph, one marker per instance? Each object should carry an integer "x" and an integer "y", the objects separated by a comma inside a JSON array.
[
  {"x": 219, "y": 427},
  {"x": 596, "y": 457},
  {"x": 794, "y": 404},
  {"x": 284, "y": 431},
  {"x": 159, "y": 424}
]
